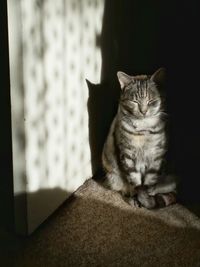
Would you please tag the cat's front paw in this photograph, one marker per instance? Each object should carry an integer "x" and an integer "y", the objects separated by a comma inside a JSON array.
[
  {"x": 145, "y": 199},
  {"x": 151, "y": 190}
]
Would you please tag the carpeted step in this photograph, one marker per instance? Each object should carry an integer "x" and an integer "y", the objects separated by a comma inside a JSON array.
[{"x": 97, "y": 228}]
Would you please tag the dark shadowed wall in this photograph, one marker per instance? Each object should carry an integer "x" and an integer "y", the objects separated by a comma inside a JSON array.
[
  {"x": 6, "y": 183},
  {"x": 140, "y": 36}
]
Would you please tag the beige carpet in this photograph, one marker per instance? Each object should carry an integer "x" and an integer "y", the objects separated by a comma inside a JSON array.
[{"x": 97, "y": 228}]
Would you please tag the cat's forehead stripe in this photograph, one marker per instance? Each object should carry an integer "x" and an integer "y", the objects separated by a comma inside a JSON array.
[
  {"x": 139, "y": 88},
  {"x": 142, "y": 89}
]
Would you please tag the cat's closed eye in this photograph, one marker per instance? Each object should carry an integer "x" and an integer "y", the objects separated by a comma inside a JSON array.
[
  {"x": 133, "y": 102},
  {"x": 153, "y": 102}
]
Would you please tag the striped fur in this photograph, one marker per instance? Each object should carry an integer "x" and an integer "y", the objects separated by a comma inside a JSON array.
[{"x": 133, "y": 154}]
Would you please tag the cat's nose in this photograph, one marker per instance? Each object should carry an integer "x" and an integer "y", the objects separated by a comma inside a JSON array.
[{"x": 143, "y": 111}]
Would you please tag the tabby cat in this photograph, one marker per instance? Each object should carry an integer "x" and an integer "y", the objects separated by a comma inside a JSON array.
[{"x": 134, "y": 153}]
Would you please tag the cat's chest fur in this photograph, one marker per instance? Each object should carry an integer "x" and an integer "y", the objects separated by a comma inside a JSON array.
[
  {"x": 141, "y": 136},
  {"x": 145, "y": 124},
  {"x": 138, "y": 140}
]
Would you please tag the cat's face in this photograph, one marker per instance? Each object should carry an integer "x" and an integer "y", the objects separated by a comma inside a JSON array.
[{"x": 140, "y": 96}]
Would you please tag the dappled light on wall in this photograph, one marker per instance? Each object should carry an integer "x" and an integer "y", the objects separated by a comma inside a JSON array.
[{"x": 58, "y": 51}]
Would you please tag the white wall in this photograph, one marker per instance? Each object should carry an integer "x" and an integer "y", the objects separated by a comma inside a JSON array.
[{"x": 52, "y": 50}]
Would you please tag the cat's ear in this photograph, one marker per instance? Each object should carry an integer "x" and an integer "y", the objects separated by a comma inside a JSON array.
[
  {"x": 88, "y": 82},
  {"x": 159, "y": 76},
  {"x": 124, "y": 79}
]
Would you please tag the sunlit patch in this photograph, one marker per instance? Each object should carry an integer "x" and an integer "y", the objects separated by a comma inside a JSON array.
[{"x": 58, "y": 52}]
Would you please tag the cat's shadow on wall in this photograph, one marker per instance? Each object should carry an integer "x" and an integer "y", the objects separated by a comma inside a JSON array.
[{"x": 102, "y": 107}]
